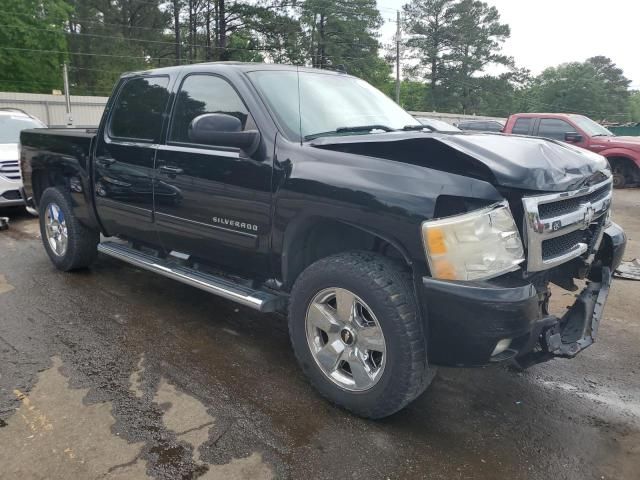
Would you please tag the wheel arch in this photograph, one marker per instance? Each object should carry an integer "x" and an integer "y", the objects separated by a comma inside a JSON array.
[
  {"x": 628, "y": 163},
  {"x": 69, "y": 181},
  {"x": 321, "y": 237}
]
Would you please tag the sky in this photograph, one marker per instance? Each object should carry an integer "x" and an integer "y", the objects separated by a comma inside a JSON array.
[{"x": 546, "y": 33}]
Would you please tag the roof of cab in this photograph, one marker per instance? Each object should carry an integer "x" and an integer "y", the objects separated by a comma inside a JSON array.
[{"x": 238, "y": 66}]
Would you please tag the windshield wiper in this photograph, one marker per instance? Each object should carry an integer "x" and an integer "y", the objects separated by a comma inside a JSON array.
[
  {"x": 356, "y": 129},
  {"x": 363, "y": 128},
  {"x": 409, "y": 128},
  {"x": 601, "y": 135}
]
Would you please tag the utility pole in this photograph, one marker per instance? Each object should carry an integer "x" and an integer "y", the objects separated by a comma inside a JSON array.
[
  {"x": 398, "y": 57},
  {"x": 67, "y": 95}
]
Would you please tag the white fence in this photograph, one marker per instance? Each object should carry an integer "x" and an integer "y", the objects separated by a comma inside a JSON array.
[
  {"x": 455, "y": 117},
  {"x": 85, "y": 111}
]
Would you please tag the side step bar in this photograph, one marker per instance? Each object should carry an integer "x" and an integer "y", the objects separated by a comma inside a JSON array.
[{"x": 256, "y": 299}]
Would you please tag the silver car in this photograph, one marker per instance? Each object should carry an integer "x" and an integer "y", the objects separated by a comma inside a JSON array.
[{"x": 12, "y": 122}]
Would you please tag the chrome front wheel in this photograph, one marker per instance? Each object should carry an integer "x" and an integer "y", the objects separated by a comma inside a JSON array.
[
  {"x": 56, "y": 229},
  {"x": 345, "y": 339}
]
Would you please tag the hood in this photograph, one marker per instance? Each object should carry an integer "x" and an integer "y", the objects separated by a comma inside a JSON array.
[
  {"x": 510, "y": 161},
  {"x": 9, "y": 151}
]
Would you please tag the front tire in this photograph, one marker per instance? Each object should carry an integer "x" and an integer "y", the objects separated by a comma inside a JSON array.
[
  {"x": 356, "y": 332},
  {"x": 619, "y": 177},
  {"x": 69, "y": 244}
]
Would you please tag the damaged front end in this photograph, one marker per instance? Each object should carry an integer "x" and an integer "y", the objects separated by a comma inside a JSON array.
[
  {"x": 574, "y": 331},
  {"x": 569, "y": 236}
]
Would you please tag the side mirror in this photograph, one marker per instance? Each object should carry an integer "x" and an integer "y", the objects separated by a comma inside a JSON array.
[
  {"x": 572, "y": 137},
  {"x": 223, "y": 130}
]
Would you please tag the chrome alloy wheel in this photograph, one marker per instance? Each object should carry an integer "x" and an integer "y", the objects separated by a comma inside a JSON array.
[
  {"x": 56, "y": 229},
  {"x": 345, "y": 339}
]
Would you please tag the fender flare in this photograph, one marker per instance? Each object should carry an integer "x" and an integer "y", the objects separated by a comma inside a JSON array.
[{"x": 303, "y": 223}]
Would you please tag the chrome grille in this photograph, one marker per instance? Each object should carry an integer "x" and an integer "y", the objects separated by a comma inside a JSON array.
[
  {"x": 562, "y": 226},
  {"x": 10, "y": 169},
  {"x": 549, "y": 210},
  {"x": 555, "y": 247}
]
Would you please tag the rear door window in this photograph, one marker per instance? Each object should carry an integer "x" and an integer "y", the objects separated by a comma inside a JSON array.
[
  {"x": 522, "y": 126},
  {"x": 554, "y": 128},
  {"x": 137, "y": 114}
]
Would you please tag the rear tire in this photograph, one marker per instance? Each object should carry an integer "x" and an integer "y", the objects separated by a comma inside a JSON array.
[
  {"x": 69, "y": 244},
  {"x": 383, "y": 337}
]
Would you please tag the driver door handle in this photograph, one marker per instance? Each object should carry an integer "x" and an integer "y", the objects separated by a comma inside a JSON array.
[{"x": 171, "y": 170}]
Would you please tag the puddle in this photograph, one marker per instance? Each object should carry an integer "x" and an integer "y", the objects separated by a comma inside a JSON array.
[
  {"x": 54, "y": 434},
  {"x": 4, "y": 285},
  {"x": 68, "y": 439},
  {"x": 189, "y": 419},
  {"x": 135, "y": 380},
  {"x": 185, "y": 415}
]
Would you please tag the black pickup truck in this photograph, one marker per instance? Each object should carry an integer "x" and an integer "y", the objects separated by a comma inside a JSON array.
[{"x": 391, "y": 248}]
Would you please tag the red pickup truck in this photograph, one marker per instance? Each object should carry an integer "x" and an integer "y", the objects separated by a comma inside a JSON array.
[{"x": 623, "y": 153}]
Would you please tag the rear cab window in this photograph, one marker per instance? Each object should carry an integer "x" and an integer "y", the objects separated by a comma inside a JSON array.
[{"x": 139, "y": 108}]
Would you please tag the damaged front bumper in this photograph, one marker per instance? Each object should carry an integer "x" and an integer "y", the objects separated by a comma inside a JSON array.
[
  {"x": 468, "y": 320},
  {"x": 574, "y": 331}
]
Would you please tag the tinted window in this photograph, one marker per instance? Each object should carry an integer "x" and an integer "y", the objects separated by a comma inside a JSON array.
[
  {"x": 202, "y": 94},
  {"x": 554, "y": 128},
  {"x": 522, "y": 125},
  {"x": 475, "y": 126},
  {"x": 139, "y": 108},
  {"x": 494, "y": 126}
]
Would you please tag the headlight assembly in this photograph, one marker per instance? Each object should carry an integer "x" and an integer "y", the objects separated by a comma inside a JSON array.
[{"x": 473, "y": 246}]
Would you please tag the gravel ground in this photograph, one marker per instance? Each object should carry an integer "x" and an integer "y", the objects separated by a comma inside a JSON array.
[{"x": 118, "y": 373}]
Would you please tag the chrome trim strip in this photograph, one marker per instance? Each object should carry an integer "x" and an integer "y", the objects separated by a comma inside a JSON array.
[
  {"x": 195, "y": 222},
  {"x": 255, "y": 299},
  {"x": 201, "y": 151},
  {"x": 536, "y": 230}
]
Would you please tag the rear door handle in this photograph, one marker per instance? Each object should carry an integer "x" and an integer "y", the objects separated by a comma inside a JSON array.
[{"x": 171, "y": 170}]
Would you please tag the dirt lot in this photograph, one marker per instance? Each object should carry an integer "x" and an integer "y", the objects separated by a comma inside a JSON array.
[{"x": 117, "y": 373}]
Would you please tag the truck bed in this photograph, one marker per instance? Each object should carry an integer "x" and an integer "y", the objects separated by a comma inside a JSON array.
[{"x": 51, "y": 153}]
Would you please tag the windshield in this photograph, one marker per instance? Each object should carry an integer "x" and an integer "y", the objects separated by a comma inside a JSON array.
[
  {"x": 590, "y": 127},
  {"x": 438, "y": 125},
  {"x": 328, "y": 102},
  {"x": 11, "y": 126}
]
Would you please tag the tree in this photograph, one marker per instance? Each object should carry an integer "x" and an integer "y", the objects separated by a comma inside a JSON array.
[
  {"x": 616, "y": 85},
  {"x": 453, "y": 42},
  {"x": 429, "y": 24},
  {"x": 634, "y": 106},
  {"x": 344, "y": 32},
  {"x": 477, "y": 37},
  {"x": 107, "y": 37},
  {"x": 592, "y": 88},
  {"x": 29, "y": 26}
]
